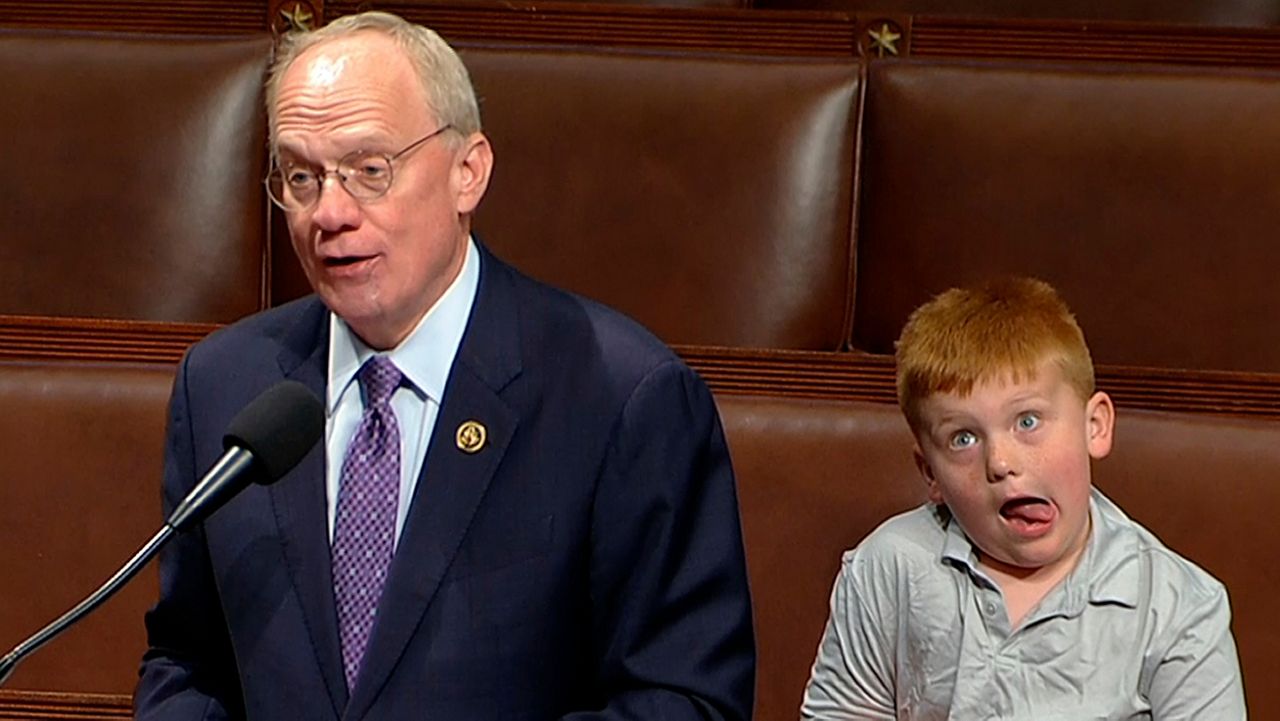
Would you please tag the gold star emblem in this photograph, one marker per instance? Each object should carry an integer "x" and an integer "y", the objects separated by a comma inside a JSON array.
[
  {"x": 471, "y": 436},
  {"x": 298, "y": 17},
  {"x": 884, "y": 40}
]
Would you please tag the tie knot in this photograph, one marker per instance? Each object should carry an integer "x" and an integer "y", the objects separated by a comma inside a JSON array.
[{"x": 379, "y": 378}]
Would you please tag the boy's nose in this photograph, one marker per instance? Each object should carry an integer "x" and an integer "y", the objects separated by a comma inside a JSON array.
[{"x": 1002, "y": 459}]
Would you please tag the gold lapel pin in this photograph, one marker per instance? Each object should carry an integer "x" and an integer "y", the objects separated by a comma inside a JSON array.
[{"x": 471, "y": 436}]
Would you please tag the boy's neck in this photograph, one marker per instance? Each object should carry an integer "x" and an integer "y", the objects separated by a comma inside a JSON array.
[{"x": 1024, "y": 588}]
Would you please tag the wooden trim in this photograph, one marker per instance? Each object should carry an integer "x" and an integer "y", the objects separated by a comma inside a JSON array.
[
  {"x": 796, "y": 374},
  {"x": 97, "y": 339},
  {"x": 830, "y": 33},
  {"x": 28, "y": 705},
  {"x": 867, "y": 377},
  {"x": 815, "y": 33},
  {"x": 1109, "y": 41},
  {"x": 765, "y": 32},
  {"x": 170, "y": 16}
]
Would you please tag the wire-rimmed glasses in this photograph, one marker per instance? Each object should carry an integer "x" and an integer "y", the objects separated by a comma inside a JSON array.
[{"x": 364, "y": 174}]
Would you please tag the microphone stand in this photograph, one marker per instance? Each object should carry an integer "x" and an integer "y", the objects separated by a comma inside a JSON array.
[{"x": 108, "y": 589}]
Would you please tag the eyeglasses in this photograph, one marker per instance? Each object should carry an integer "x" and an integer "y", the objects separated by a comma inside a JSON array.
[{"x": 363, "y": 174}]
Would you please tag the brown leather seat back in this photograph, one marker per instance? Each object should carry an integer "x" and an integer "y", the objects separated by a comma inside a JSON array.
[
  {"x": 1207, "y": 486},
  {"x": 814, "y": 477},
  {"x": 82, "y": 445},
  {"x": 707, "y": 196},
  {"x": 132, "y": 182},
  {"x": 1148, "y": 196}
]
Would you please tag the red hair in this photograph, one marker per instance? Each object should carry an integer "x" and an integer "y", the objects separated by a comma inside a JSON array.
[{"x": 965, "y": 336}]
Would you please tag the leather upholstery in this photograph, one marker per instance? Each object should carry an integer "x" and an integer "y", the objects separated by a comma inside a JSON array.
[
  {"x": 82, "y": 446},
  {"x": 813, "y": 478},
  {"x": 643, "y": 180},
  {"x": 1146, "y": 196},
  {"x": 132, "y": 182}
]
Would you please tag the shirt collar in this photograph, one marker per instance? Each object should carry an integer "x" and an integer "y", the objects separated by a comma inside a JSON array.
[
  {"x": 426, "y": 354},
  {"x": 1112, "y": 574},
  {"x": 956, "y": 547}
]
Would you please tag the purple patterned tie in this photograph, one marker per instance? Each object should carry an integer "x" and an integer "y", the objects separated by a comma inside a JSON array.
[{"x": 365, "y": 527}]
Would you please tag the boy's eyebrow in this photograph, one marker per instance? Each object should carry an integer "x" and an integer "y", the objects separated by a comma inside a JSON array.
[
  {"x": 1024, "y": 396},
  {"x": 949, "y": 418}
]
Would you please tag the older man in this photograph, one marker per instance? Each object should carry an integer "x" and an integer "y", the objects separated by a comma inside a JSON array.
[{"x": 523, "y": 507}]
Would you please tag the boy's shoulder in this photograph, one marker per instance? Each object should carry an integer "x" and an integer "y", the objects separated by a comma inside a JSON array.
[
  {"x": 1129, "y": 550},
  {"x": 912, "y": 540}
]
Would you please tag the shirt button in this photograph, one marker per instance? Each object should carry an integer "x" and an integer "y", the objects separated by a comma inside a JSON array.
[{"x": 991, "y": 608}]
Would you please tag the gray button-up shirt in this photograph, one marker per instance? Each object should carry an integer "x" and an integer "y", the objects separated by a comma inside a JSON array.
[{"x": 918, "y": 631}]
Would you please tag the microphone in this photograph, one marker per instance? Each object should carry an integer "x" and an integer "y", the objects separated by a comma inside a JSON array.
[
  {"x": 265, "y": 439},
  {"x": 263, "y": 442}
]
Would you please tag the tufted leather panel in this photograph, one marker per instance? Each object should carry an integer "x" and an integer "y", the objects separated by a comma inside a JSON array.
[
  {"x": 814, "y": 477},
  {"x": 82, "y": 447},
  {"x": 132, "y": 187},
  {"x": 707, "y": 196},
  {"x": 1147, "y": 196}
]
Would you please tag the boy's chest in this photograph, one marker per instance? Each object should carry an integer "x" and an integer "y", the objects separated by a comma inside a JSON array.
[{"x": 966, "y": 663}]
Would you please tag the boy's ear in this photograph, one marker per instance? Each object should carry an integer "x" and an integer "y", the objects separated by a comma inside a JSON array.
[
  {"x": 926, "y": 471},
  {"x": 1100, "y": 417}
]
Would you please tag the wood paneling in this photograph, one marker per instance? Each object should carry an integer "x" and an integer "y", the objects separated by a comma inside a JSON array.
[
  {"x": 26, "y": 705},
  {"x": 863, "y": 377},
  {"x": 46, "y": 338},
  {"x": 151, "y": 16},
  {"x": 703, "y": 29},
  {"x": 1094, "y": 41}
]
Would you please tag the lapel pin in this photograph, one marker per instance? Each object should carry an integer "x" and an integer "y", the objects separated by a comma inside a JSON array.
[{"x": 471, "y": 436}]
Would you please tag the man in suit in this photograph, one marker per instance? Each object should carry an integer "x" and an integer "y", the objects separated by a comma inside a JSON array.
[{"x": 523, "y": 507}]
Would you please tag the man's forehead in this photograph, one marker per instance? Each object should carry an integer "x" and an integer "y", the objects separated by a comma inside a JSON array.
[
  {"x": 360, "y": 57},
  {"x": 325, "y": 70},
  {"x": 348, "y": 83}
]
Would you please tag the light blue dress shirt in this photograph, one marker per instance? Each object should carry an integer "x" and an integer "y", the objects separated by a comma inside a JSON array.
[
  {"x": 918, "y": 631},
  {"x": 425, "y": 357}
]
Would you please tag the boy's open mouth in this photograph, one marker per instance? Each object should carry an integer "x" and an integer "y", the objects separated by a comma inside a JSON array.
[{"x": 1027, "y": 513}]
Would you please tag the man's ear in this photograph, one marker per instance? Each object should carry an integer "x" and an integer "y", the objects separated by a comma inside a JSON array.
[
  {"x": 926, "y": 471},
  {"x": 1100, "y": 420},
  {"x": 472, "y": 170}
]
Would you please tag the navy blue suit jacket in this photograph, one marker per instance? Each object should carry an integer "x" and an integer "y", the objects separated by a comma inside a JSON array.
[{"x": 587, "y": 563}]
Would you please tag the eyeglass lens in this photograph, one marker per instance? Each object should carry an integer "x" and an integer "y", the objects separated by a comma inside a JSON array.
[{"x": 364, "y": 175}]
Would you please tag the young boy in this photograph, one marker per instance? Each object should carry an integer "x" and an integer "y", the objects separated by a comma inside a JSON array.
[{"x": 1019, "y": 591}]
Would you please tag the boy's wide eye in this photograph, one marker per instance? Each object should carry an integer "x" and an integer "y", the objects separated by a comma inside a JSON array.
[
  {"x": 1028, "y": 421},
  {"x": 961, "y": 440}
]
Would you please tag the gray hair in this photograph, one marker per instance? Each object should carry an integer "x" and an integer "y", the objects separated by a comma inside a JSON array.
[{"x": 444, "y": 78}]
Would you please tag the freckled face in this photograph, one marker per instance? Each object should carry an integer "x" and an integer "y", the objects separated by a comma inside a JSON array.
[
  {"x": 379, "y": 264},
  {"x": 1011, "y": 462}
]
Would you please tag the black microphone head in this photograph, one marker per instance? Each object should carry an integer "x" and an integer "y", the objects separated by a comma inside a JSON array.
[{"x": 278, "y": 428}]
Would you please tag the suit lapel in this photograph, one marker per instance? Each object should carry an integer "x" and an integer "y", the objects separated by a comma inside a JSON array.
[
  {"x": 301, "y": 509},
  {"x": 453, "y": 480}
]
